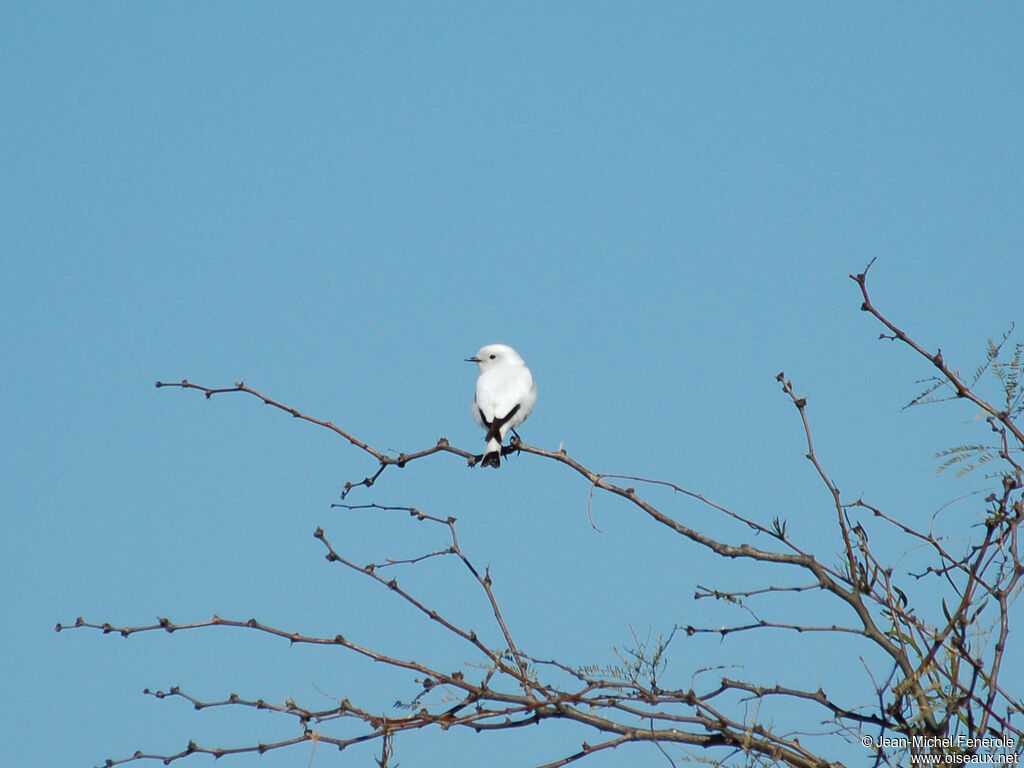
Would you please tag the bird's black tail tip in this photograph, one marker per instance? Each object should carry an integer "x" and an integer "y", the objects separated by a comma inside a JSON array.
[{"x": 492, "y": 459}]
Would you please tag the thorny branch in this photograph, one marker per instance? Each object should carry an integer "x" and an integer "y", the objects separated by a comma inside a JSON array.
[{"x": 939, "y": 681}]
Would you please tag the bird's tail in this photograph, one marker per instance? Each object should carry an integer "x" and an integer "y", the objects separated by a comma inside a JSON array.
[{"x": 492, "y": 456}]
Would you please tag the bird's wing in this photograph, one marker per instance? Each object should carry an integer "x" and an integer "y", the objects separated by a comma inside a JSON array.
[
  {"x": 476, "y": 410},
  {"x": 501, "y": 389}
]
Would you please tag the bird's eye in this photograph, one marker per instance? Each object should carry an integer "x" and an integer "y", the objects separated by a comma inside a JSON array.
[{"x": 493, "y": 356}]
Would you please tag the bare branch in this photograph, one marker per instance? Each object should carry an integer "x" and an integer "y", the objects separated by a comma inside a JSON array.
[{"x": 943, "y": 657}]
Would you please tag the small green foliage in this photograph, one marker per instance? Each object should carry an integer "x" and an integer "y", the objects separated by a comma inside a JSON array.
[
  {"x": 965, "y": 457},
  {"x": 1008, "y": 372}
]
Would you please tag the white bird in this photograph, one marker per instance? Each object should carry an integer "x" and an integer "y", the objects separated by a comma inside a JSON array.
[{"x": 505, "y": 395}]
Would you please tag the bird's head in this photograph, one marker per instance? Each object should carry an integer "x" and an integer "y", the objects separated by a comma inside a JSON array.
[{"x": 495, "y": 354}]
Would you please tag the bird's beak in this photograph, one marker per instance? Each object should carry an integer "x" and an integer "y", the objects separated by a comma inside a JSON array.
[{"x": 472, "y": 359}]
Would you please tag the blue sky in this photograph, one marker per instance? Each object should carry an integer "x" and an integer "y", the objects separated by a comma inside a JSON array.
[{"x": 657, "y": 205}]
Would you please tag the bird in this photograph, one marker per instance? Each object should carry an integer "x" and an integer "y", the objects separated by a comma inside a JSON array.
[{"x": 505, "y": 396}]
